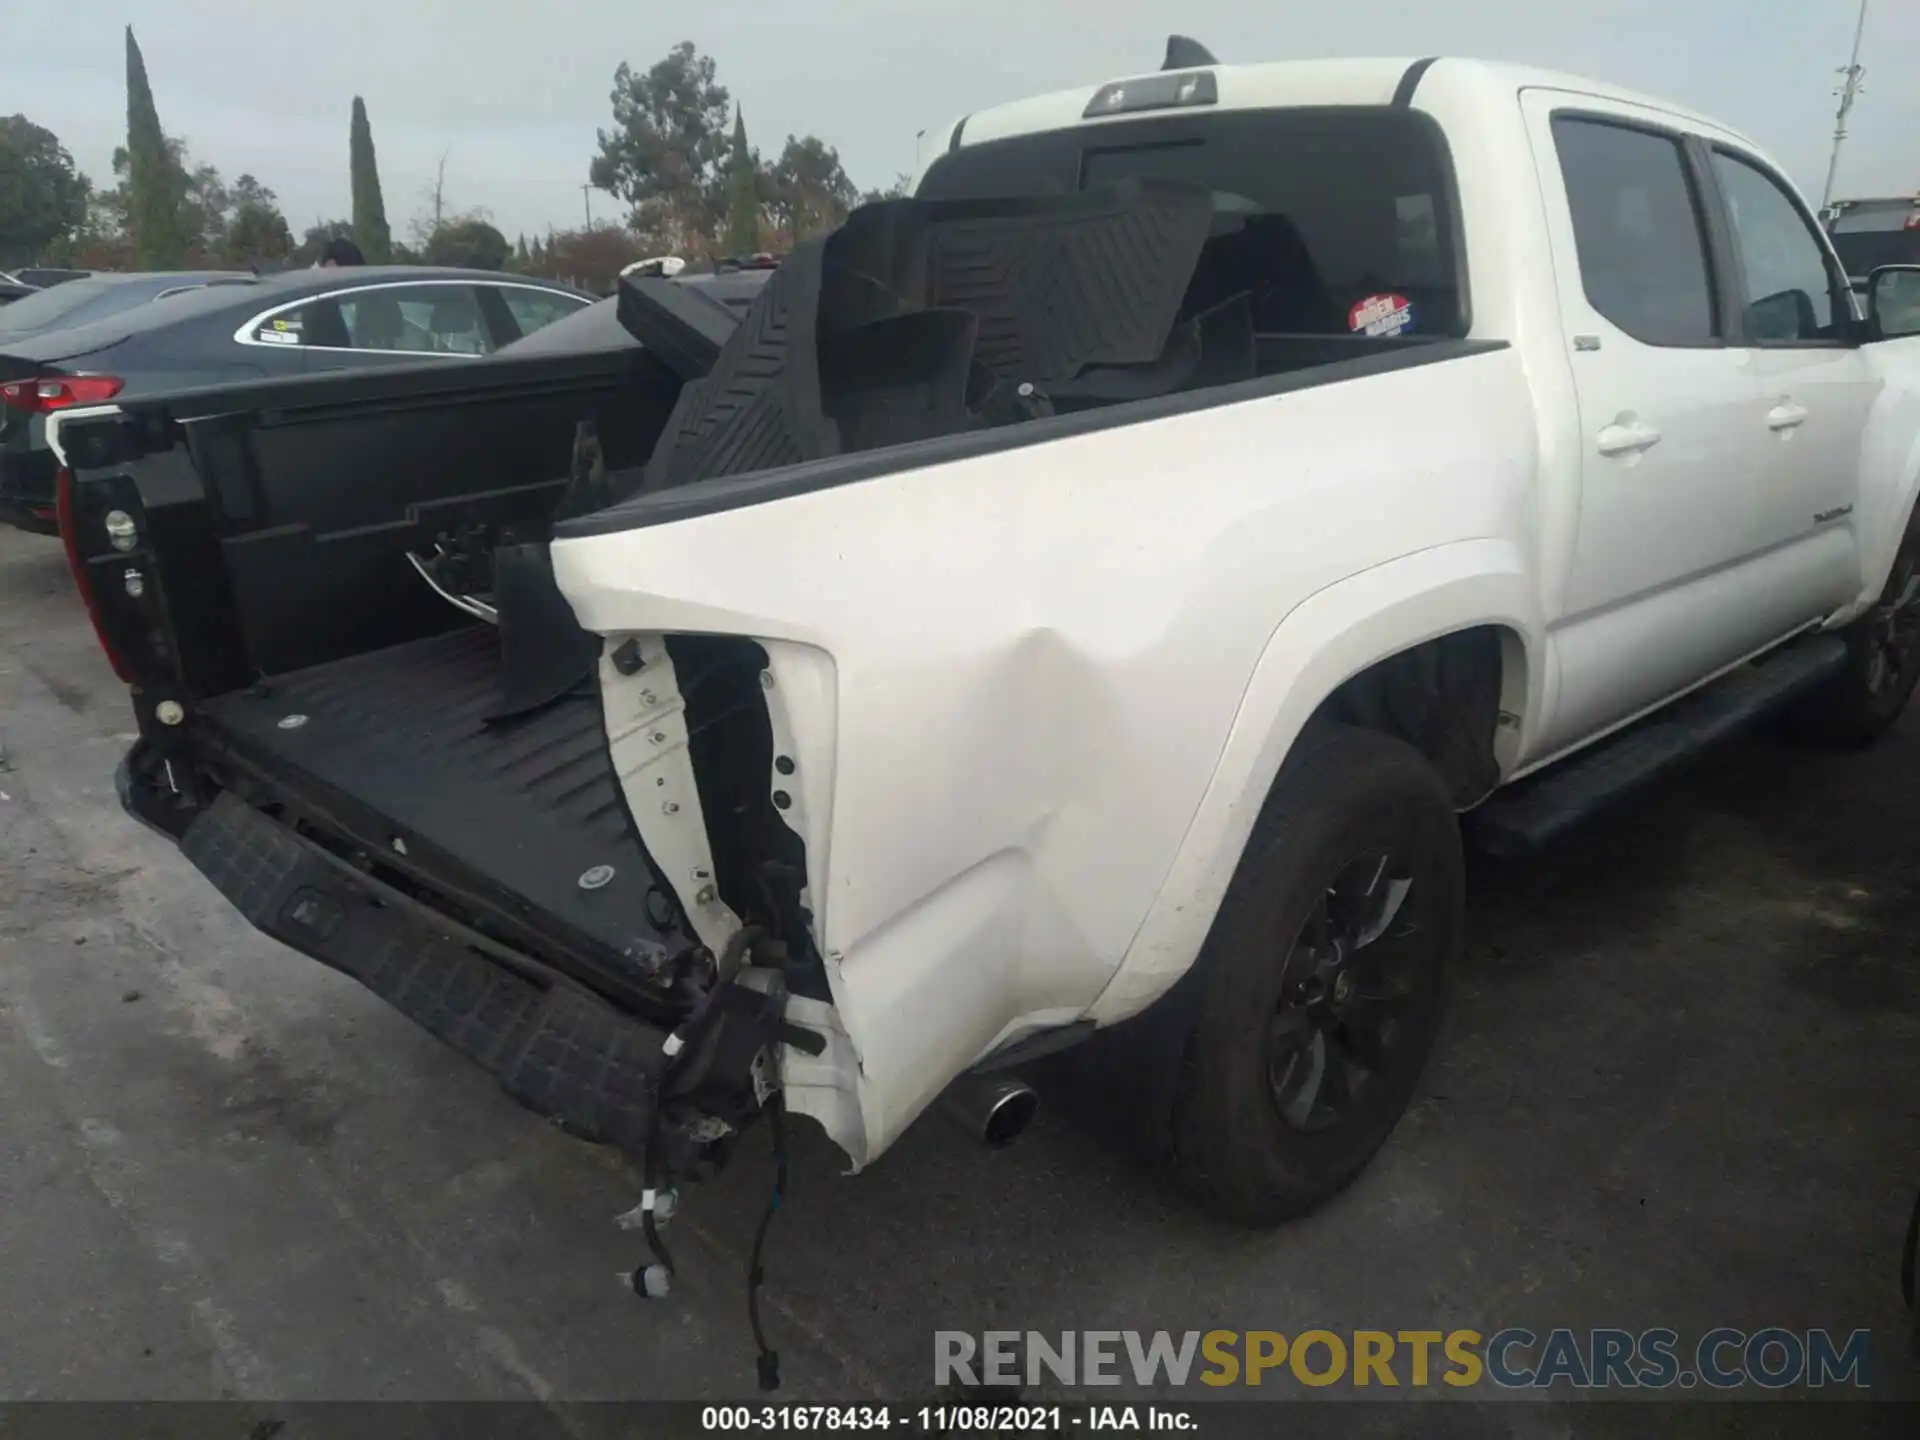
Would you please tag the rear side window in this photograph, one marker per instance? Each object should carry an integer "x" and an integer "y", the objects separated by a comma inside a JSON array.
[
  {"x": 1637, "y": 227},
  {"x": 536, "y": 309},
  {"x": 417, "y": 319},
  {"x": 410, "y": 319},
  {"x": 1337, "y": 221}
]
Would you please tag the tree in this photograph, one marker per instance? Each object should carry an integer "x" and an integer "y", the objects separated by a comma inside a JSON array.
[
  {"x": 444, "y": 236},
  {"x": 666, "y": 153},
  {"x": 591, "y": 257},
  {"x": 370, "y": 230},
  {"x": 205, "y": 208},
  {"x": 199, "y": 190},
  {"x": 43, "y": 199},
  {"x": 100, "y": 241},
  {"x": 156, "y": 188},
  {"x": 257, "y": 232},
  {"x": 108, "y": 213},
  {"x": 249, "y": 192},
  {"x": 901, "y": 188},
  {"x": 316, "y": 238},
  {"x": 223, "y": 225},
  {"x": 743, "y": 192},
  {"x": 810, "y": 189},
  {"x": 470, "y": 242},
  {"x": 91, "y": 250}
]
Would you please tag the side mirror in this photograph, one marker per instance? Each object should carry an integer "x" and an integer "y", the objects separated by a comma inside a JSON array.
[
  {"x": 1893, "y": 301},
  {"x": 1786, "y": 315}
]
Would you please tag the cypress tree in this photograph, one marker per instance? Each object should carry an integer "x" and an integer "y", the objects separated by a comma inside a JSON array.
[
  {"x": 155, "y": 186},
  {"x": 370, "y": 230},
  {"x": 743, "y": 193}
]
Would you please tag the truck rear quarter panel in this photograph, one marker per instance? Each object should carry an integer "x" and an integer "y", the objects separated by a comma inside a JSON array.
[{"x": 1038, "y": 658}]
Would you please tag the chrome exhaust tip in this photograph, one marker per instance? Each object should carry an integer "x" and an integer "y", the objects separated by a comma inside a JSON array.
[{"x": 993, "y": 1109}]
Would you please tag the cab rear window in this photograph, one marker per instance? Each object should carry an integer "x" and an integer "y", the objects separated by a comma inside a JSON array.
[{"x": 1337, "y": 221}]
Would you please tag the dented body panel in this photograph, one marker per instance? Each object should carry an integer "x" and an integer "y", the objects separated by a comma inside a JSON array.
[{"x": 1012, "y": 679}]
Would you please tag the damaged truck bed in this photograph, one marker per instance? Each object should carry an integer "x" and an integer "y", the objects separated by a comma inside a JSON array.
[
  {"x": 464, "y": 792},
  {"x": 517, "y": 818}
]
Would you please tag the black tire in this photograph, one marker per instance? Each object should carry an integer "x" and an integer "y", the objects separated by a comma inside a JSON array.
[
  {"x": 1907, "y": 1264},
  {"x": 1862, "y": 702},
  {"x": 1249, "y": 1142}
]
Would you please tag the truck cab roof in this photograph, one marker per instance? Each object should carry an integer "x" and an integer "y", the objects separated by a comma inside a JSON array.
[{"x": 1286, "y": 83}]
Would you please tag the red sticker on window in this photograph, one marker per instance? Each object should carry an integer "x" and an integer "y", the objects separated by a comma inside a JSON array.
[{"x": 1386, "y": 314}]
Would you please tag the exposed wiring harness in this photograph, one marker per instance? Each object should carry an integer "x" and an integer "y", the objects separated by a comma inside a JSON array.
[
  {"x": 768, "y": 1360},
  {"x": 727, "y": 969},
  {"x": 655, "y": 1280}
]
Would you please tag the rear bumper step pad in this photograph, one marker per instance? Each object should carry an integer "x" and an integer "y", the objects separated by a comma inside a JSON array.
[{"x": 560, "y": 1052}]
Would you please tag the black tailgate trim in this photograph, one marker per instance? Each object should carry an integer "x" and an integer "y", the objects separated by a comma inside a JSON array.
[{"x": 556, "y": 1050}]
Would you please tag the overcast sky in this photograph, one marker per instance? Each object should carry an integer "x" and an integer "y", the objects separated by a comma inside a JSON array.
[{"x": 515, "y": 91}]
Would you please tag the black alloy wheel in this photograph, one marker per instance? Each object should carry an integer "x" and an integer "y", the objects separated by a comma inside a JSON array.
[
  {"x": 1322, "y": 981},
  {"x": 1347, "y": 982}
]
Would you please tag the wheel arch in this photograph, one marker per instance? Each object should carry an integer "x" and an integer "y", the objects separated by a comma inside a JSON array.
[
  {"x": 1889, "y": 475},
  {"x": 1315, "y": 655}
]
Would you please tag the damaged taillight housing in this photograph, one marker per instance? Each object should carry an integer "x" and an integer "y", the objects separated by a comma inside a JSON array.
[{"x": 94, "y": 535}]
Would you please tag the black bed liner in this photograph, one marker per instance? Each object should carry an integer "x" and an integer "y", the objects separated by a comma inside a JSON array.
[
  {"x": 734, "y": 492},
  {"x": 520, "y": 810},
  {"x": 921, "y": 318}
]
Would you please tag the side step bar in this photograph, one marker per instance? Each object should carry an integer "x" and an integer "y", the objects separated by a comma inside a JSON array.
[
  {"x": 1537, "y": 811},
  {"x": 558, "y": 1051}
]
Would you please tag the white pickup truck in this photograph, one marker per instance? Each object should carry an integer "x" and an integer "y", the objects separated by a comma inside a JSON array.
[
  {"x": 1097, "y": 585},
  {"x": 1209, "y": 688}
]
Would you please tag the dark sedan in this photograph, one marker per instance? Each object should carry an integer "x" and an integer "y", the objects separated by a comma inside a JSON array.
[
  {"x": 598, "y": 327},
  {"x": 234, "y": 328},
  {"x": 40, "y": 277},
  {"x": 98, "y": 297}
]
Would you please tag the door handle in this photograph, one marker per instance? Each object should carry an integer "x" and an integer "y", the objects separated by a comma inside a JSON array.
[
  {"x": 1786, "y": 415},
  {"x": 1620, "y": 439}
]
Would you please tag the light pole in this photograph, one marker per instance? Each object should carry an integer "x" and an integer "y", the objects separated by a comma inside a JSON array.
[
  {"x": 586, "y": 199},
  {"x": 1849, "y": 91}
]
